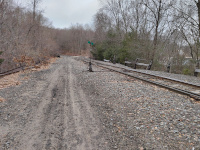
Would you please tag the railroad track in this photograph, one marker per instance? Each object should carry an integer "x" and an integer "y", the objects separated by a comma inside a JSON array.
[
  {"x": 15, "y": 70},
  {"x": 181, "y": 87}
]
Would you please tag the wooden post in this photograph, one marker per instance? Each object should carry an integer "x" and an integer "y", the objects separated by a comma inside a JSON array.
[
  {"x": 196, "y": 72},
  {"x": 135, "y": 65},
  {"x": 150, "y": 64},
  {"x": 168, "y": 67}
]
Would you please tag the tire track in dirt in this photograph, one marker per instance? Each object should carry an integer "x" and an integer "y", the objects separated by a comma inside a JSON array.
[
  {"x": 62, "y": 117},
  {"x": 84, "y": 121},
  {"x": 54, "y": 119},
  {"x": 33, "y": 130}
]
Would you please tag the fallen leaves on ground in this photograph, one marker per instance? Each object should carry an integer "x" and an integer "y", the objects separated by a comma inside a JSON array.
[
  {"x": 9, "y": 80},
  {"x": 44, "y": 66},
  {"x": 13, "y": 79},
  {"x": 2, "y": 99}
]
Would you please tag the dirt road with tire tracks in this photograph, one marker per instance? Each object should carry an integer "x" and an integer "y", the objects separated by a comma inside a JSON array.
[{"x": 49, "y": 111}]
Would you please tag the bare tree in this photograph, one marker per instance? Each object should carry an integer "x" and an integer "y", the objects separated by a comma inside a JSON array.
[
  {"x": 187, "y": 18},
  {"x": 23, "y": 33},
  {"x": 158, "y": 16}
]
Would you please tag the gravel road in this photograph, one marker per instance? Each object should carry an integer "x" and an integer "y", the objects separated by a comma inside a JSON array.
[
  {"x": 49, "y": 111},
  {"x": 66, "y": 107}
]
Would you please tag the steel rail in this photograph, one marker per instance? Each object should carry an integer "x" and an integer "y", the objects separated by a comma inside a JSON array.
[
  {"x": 10, "y": 71},
  {"x": 15, "y": 70},
  {"x": 153, "y": 75},
  {"x": 180, "y": 91}
]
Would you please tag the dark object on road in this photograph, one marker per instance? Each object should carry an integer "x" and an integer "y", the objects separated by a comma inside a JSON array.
[{"x": 90, "y": 67}]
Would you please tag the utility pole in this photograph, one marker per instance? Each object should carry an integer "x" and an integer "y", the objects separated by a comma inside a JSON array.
[{"x": 90, "y": 63}]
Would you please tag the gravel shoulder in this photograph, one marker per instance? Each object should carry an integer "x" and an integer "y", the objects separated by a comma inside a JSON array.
[
  {"x": 186, "y": 78},
  {"x": 141, "y": 115},
  {"x": 67, "y": 107}
]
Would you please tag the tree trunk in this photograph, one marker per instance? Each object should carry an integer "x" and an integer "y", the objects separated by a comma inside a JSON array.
[
  {"x": 198, "y": 44},
  {"x": 34, "y": 7},
  {"x": 155, "y": 42}
]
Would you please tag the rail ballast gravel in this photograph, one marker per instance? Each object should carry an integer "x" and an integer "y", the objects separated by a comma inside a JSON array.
[{"x": 114, "y": 68}]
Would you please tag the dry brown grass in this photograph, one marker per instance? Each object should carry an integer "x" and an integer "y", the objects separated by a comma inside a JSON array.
[
  {"x": 9, "y": 80},
  {"x": 44, "y": 65},
  {"x": 13, "y": 79},
  {"x": 71, "y": 54},
  {"x": 2, "y": 99}
]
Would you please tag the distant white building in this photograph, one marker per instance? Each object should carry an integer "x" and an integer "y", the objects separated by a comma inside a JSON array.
[{"x": 181, "y": 52}]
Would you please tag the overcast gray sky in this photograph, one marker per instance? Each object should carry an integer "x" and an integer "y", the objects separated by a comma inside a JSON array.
[{"x": 64, "y": 13}]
